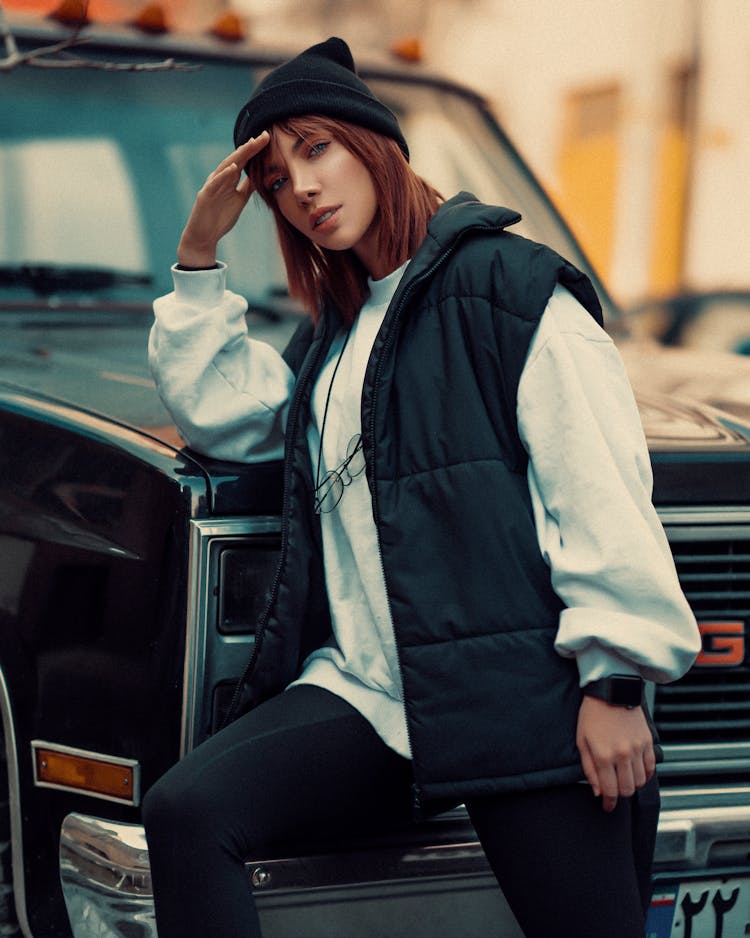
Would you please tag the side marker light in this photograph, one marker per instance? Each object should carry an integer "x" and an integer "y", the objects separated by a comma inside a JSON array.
[{"x": 89, "y": 773}]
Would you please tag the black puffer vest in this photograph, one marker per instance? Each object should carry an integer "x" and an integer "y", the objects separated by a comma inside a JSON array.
[{"x": 490, "y": 705}]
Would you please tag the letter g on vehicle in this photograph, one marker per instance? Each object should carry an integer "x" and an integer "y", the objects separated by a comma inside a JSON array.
[{"x": 723, "y": 644}]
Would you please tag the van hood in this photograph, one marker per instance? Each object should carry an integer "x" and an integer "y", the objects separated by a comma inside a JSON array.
[
  {"x": 95, "y": 359},
  {"x": 688, "y": 400}
]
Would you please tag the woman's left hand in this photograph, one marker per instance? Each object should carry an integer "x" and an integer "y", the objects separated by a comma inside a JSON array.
[{"x": 616, "y": 747}]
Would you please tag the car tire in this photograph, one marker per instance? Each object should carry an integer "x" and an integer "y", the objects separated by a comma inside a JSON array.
[{"x": 8, "y": 923}]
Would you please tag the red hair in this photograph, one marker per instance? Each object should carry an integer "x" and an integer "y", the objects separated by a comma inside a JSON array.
[{"x": 405, "y": 205}]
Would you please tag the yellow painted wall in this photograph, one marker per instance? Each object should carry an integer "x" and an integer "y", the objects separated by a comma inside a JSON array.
[
  {"x": 669, "y": 216},
  {"x": 588, "y": 170},
  {"x": 672, "y": 172}
]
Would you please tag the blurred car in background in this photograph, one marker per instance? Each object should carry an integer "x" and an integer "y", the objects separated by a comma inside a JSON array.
[
  {"x": 132, "y": 569},
  {"x": 716, "y": 320},
  {"x": 691, "y": 347}
]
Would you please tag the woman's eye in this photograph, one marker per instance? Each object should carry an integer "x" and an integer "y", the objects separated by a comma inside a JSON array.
[
  {"x": 276, "y": 184},
  {"x": 317, "y": 148}
]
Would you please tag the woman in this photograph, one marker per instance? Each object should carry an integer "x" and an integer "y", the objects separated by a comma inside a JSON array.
[{"x": 473, "y": 582}]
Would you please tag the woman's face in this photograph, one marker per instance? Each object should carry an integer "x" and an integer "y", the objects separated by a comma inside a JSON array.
[{"x": 326, "y": 193}]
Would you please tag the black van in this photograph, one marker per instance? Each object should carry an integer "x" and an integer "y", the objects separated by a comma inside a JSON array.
[{"x": 132, "y": 569}]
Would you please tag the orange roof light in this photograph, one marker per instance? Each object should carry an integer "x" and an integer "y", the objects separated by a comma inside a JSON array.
[
  {"x": 228, "y": 27},
  {"x": 410, "y": 49},
  {"x": 151, "y": 19},
  {"x": 71, "y": 12}
]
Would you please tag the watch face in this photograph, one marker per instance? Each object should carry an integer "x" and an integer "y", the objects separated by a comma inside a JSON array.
[{"x": 625, "y": 691}]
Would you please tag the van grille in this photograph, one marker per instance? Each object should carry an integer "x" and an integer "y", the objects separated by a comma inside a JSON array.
[{"x": 710, "y": 704}]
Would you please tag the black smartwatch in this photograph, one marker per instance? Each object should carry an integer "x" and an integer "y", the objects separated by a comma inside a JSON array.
[{"x": 621, "y": 690}]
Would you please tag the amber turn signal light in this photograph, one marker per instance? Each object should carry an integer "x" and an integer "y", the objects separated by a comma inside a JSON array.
[{"x": 88, "y": 773}]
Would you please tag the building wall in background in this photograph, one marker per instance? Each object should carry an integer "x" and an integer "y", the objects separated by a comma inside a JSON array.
[
  {"x": 634, "y": 115},
  {"x": 585, "y": 90},
  {"x": 637, "y": 118},
  {"x": 672, "y": 182},
  {"x": 587, "y": 166},
  {"x": 718, "y": 239}
]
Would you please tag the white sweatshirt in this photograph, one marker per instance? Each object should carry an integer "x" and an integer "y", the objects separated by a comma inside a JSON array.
[{"x": 589, "y": 479}]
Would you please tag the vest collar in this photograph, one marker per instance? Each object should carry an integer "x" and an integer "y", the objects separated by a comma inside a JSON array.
[{"x": 461, "y": 213}]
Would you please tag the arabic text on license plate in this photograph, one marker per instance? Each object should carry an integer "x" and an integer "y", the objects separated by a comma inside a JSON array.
[{"x": 701, "y": 908}]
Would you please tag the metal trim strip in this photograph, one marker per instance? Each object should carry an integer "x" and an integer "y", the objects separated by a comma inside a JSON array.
[
  {"x": 203, "y": 536},
  {"x": 14, "y": 807},
  {"x": 680, "y": 752},
  {"x": 705, "y": 515}
]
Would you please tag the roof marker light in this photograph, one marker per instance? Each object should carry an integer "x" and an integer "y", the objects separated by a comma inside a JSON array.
[
  {"x": 151, "y": 19},
  {"x": 410, "y": 49},
  {"x": 71, "y": 12},
  {"x": 228, "y": 27}
]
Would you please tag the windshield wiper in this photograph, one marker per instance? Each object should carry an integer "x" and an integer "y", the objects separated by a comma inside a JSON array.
[{"x": 46, "y": 279}]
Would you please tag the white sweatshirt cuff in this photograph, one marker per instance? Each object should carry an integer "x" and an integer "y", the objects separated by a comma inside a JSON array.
[
  {"x": 605, "y": 642},
  {"x": 596, "y": 662},
  {"x": 204, "y": 287}
]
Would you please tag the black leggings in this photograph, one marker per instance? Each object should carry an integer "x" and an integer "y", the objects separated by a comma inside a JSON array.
[{"x": 307, "y": 765}]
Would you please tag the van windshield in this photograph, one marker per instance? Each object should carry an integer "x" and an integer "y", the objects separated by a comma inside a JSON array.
[{"x": 98, "y": 176}]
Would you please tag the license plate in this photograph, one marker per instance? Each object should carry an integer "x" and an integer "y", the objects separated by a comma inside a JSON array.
[{"x": 700, "y": 908}]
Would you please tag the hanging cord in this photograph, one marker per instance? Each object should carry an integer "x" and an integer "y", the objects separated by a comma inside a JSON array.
[{"x": 325, "y": 409}]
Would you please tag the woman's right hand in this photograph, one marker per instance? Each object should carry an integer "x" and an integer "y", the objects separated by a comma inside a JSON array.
[{"x": 218, "y": 205}]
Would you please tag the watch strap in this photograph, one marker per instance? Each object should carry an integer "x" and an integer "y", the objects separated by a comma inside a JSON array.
[{"x": 620, "y": 690}]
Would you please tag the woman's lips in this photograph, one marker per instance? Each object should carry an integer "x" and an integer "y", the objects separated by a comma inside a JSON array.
[{"x": 323, "y": 219}]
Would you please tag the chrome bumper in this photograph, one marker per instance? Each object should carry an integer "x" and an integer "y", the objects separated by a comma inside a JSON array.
[
  {"x": 106, "y": 878},
  {"x": 686, "y": 838}
]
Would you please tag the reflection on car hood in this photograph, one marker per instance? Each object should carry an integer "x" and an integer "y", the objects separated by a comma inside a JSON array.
[
  {"x": 675, "y": 425},
  {"x": 690, "y": 399},
  {"x": 97, "y": 361}
]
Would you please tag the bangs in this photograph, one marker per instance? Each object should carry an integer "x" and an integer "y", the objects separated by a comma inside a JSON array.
[
  {"x": 301, "y": 127},
  {"x": 405, "y": 205}
]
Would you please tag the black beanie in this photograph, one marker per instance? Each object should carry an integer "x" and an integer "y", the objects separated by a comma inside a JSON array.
[{"x": 320, "y": 80}]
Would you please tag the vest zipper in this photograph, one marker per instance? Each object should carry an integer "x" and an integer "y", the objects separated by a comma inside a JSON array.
[{"x": 416, "y": 790}]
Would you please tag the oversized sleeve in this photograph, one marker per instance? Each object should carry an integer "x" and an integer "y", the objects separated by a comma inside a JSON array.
[
  {"x": 227, "y": 392},
  {"x": 590, "y": 481}
]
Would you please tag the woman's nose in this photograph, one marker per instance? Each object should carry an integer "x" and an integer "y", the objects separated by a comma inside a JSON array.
[{"x": 305, "y": 187}]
